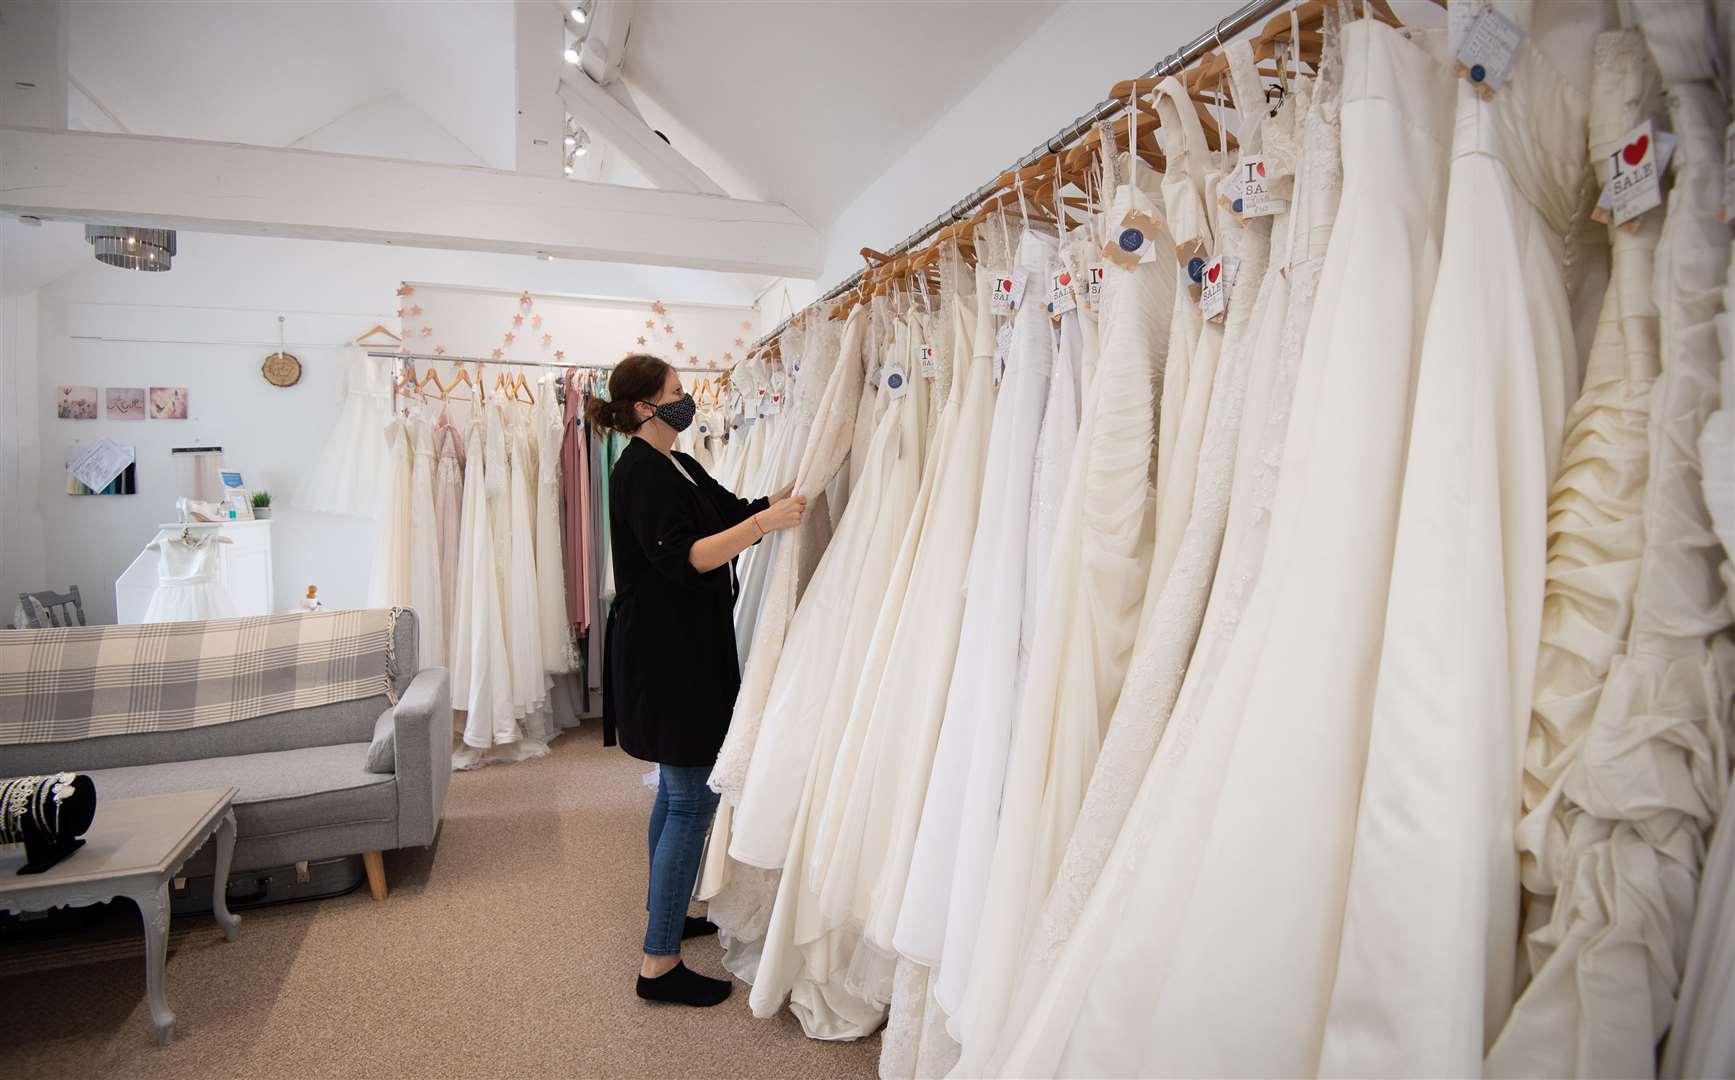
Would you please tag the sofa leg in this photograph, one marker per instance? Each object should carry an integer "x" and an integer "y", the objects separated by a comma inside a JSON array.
[{"x": 376, "y": 873}]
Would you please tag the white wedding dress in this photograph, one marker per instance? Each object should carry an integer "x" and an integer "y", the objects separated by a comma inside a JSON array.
[
  {"x": 556, "y": 634},
  {"x": 389, "y": 581},
  {"x": 426, "y": 594},
  {"x": 481, "y": 677},
  {"x": 348, "y": 478},
  {"x": 1206, "y": 947}
]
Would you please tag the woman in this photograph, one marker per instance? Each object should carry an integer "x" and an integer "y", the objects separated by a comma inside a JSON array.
[{"x": 670, "y": 672}]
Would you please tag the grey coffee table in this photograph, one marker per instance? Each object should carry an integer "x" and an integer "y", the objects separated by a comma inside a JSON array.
[{"x": 134, "y": 848}]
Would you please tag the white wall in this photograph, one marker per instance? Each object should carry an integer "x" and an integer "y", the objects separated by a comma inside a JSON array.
[
  {"x": 23, "y": 557},
  {"x": 207, "y": 324}
]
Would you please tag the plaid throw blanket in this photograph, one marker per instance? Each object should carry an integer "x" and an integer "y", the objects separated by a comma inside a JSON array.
[{"x": 76, "y": 683}]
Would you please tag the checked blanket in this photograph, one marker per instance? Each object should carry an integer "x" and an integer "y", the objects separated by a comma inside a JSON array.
[{"x": 84, "y": 681}]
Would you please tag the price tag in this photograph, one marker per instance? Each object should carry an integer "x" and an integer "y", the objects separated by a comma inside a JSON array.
[
  {"x": 1256, "y": 199},
  {"x": 896, "y": 383},
  {"x": 1230, "y": 192},
  {"x": 1002, "y": 347},
  {"x": 1134, "y": 242},
  {"x": 1060, "y": 297},
  {"x": 1459, "y": 15},
  {"x": 1488, "y": 51},
  {"x": 930, "y": 367},
  {"x": 1214, "y": 288},
  {"x": 1637, "y": 181},
  {"x": 773, "y": 405},
  {"x": 1000, "y": 300}
]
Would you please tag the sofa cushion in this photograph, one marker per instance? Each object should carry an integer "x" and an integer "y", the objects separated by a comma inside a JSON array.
[
  {"x": 280, "y": 792},
  {"x": 382, "y": 753}
]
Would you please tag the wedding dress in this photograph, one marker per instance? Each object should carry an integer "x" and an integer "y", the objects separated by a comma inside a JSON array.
[
  {"x": 1084, "y": 625},
  {"x": 481, "y": 676},
  {"x": 1652, "y": 769},
  {"x": 448, "y": 523},
  {"x": 949, "y": 872},
  {"x": 557, "y": 654},
  {"x": 389, "y": 582},
  {"x": 1457, "y": 670},
  {"x": 1175, "y": 609},
  {"x": 835, "y": 988},
  {"x": 1208, "y": 943},
  {"x": 347, "y": 479},
  {"x": 425, "y": 592},
  {"x": 524, "y": 630}
]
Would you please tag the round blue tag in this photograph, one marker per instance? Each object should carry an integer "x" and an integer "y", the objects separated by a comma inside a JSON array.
[
  {"x": 894, "y": 380},
  {"x": 1132, "y": 240},
  {"x": 1478, "y": 73},
  {"x": 1196, "y": 268},
  {"x": 1238, "y": 204}
]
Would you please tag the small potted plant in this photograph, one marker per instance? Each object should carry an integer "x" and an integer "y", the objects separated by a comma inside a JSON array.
[{"x": 262, "y": 505}]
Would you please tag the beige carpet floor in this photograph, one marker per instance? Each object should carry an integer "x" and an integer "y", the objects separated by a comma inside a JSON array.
[{"x": 507, "y": 950}]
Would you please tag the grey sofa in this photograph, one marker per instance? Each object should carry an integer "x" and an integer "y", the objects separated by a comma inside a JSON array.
[{"x": 305, "y": 791}]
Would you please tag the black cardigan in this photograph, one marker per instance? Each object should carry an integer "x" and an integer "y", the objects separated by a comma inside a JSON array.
[{"x": 670, "y": 671}]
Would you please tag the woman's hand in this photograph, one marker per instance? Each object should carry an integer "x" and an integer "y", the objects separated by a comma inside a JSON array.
[
  {"x": 788, "y": 489},
  {"x": 783, "y": 513}
]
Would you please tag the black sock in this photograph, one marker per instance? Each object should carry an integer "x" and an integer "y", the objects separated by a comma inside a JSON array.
[
  {"x": 681, "y": 985},
  {"x": 697, "y": 927}
]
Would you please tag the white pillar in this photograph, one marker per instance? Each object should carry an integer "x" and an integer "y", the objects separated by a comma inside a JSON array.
[{"x": 23, "y": 552}]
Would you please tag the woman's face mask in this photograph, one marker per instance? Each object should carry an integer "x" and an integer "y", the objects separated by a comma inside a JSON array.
[{"x": 678, "y": 414}]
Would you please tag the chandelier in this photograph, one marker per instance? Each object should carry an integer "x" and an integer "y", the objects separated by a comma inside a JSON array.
[{"x": 132, "y": 248}]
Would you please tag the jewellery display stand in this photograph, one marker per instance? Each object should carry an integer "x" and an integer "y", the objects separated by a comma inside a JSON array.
[{"x": 49, "y": 815}]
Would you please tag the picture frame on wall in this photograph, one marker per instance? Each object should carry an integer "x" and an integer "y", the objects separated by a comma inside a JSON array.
[
  {"x": 75, "y": 402},
  {"x": 168, "y": 403},
  {"x": 125, "y": 402}
]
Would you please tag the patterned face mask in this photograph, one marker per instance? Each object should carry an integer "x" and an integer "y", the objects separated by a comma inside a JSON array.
[{"x": 678, "y": 414}]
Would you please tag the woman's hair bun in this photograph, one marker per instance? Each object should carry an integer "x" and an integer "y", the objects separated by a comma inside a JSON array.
[
  {"x": 637, "y": 377},
  {"x": 611, "y": 415}
]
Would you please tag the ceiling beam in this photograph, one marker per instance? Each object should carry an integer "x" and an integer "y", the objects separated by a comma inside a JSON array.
[
  {"x": 539, "y": 32},
  {"x": 605, "y": 47},
  {"x": 598, "y": 111},
  {"x": 260, "y": 191}
]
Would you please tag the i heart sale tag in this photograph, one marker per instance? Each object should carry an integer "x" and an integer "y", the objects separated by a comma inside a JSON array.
[
  {"x": 1636, "y": 175},
  {"x": 1060, "y": 295},
  {"x": 925, "y": 357},
  {"x": 1256, "y": 197},
  {"x": 1000, "y": 299},
  {"x": 1214, "y": 281}
]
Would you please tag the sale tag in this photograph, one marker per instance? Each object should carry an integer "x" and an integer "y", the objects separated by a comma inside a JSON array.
[
  {"x": 1214, "y": 286},
  {"x": 1135, "y": 241},
  {"x": 1488, "y": 51},
  {"x": 1256, "y": 199},
  {"x": 1095, "y": 291},
  {"x": 1060, "y": 297},
  {"x": 773, "y": 405},
  {"x": 1002, "y": 346},
  {"x": 925, "y": 357},
  {"x": 1000, "y": 300},
  {"x": 897, "y": 385},
  {"x": 1637, "y": 181}
]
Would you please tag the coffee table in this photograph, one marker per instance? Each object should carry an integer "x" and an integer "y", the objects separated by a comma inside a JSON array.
[{"x": 134, "y": 848}]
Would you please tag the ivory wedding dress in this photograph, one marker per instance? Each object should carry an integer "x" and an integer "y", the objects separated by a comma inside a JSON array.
[
  {"x": 481, "y": 679},
  {"x": 1457, "y": 669},
  {"x": 348, "y": 478},
  {"x": 425, "y": 593},
  {"x": 556, "y": 634},
  {"x": 1207, "y": 945},
  {"x": 389, "y": 583},
  {"x": 449, "y": 521}
]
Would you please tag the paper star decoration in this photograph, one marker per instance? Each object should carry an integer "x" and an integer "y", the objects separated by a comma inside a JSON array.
[
  {"x": 668, "y": 328},
  {"x": 694, "y": 359},
  {"x": 740, "y": 341},
  {"x": 711, "y": 363},
  {"x": 400, "y": 313},
  {"x": 416, "y": 310},
  {"x": 650, "y": 324},
  {"x": 548, "y": 339},
  {"x": 559, "y": 354},
  {"x": 439, "y": 350},
  {"x": 518, "y": 319},
  {"x": 641, "y": 341},
  {"x": 524, "y": 299},
  {"x": 510, "y": 337},
  {"x": 658, "y": 307},
  {"x": 679, "y": 346},
  {"x": 728, "y": 356},
  {"x": 497, "y": 354},
  {"x": 747, "y": 324},
  {"x": 426, "y": 330},
  {"x": 405, "y": 290},
  {"x": 536, "y": 321}
]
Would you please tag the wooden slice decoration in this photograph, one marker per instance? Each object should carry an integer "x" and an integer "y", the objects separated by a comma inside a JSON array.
[{"x": 281, "y": 369}]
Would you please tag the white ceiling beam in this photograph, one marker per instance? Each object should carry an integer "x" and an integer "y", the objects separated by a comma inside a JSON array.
[
  {"x": 605, "y": 47},
  {"x": 262, "y": 191},
  {"x": 540, "y": 33},
  {"x": 599, "y": 112}
]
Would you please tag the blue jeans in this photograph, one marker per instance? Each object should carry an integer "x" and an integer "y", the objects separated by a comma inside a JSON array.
[{"x": 679, "y": 820}]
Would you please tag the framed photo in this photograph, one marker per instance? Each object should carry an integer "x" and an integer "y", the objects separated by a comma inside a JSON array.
[
  {"x": 168, "y": 403},
  {"x": 75, "y": 402},
  {"x": 125, "y": 402}
]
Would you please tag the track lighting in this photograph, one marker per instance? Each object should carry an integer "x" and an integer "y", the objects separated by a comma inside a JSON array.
[
  {"x": 578, "y": 15},
  {"x": 570, "y": 55},
  {"x": 569, "y": 170}
]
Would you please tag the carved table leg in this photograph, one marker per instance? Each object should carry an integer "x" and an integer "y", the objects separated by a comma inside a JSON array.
[
  {"x": 231, "y": 923},
  {"x": 154, "y": 910}
]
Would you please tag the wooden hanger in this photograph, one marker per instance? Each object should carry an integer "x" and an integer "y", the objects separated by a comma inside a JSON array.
[{"x": 376, "y": 328}]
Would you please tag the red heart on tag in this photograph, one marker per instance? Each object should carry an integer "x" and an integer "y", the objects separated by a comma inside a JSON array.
[
  {"x": 1005, "y": 284},
  {"x": 1260, "y": 168},
  {"x": 1635, "y": 151},
  {"x": 1066, "y": 279},
  {"x": 1213, "y": 272}
]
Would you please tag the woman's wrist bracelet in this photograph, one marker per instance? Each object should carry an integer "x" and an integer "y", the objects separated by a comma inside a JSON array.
[{"x": 758, "y": 526}]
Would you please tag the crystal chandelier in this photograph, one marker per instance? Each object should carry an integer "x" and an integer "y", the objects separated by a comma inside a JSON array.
[{"x": 132, "y": 248}]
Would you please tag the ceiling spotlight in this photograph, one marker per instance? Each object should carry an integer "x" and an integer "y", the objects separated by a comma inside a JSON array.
[
  {"x": 546, "y": 257},
  {"x": 578, "y": 15},
  {"x": 569, "y": 170},
  {"x": 571, "y": 55},
  {"x": 580, "y": 151},
  {"x": 571, "y": 141}
]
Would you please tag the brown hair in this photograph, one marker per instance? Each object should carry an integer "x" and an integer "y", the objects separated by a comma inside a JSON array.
[{"x": 639, "y": 377}]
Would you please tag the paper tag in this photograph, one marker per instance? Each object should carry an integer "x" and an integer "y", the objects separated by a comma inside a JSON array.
[
  {"x": 1060, "y": 297},
  {"x": 1229, "y": 192},
  {"x": 1214, "y": 286},
  {"x": 1488, "y": 51},
  {"x": 773, "y": 405},
  {"x": 925, "y": 357},
  {"x": 1134, "y": 242},
  {"x": 1637, "y": 183},
  {"x": 1000, "y": 300},
  {"x": 1020, "y": 283},
  {"x": 897, "y": 385},
  {"x": 1459, "y": 15},
  {"x": 1728, "y": 174},
  {"x": 1002, "y": 346},
  {"x": 1256, "y": 199},
  {"x": 1096, "y": 275}
]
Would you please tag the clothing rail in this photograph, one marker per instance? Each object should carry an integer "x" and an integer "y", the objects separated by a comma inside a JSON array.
[
  {"x": 1227, "y": 27},
  {"x": 393, "y": 354}
]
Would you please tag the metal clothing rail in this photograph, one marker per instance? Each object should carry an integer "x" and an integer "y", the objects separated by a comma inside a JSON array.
[
  {"x": 393, "y": 354},
  {"x": 1225, "y": 28}
]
